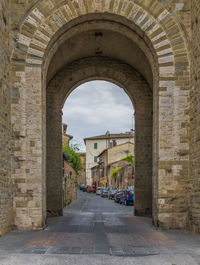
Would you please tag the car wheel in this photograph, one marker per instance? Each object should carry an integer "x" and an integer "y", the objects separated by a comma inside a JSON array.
[{"x": 126, "y": 203}]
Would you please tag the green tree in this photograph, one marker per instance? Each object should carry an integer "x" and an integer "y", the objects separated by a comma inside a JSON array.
[
  {"x": 129, "y": 159},
  {"x": 115, "y": 172},
  {"x": 72, "y": 157}
]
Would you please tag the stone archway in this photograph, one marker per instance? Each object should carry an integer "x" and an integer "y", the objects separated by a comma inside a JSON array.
[
  {"x": 139, "y": 92},
  {"x": 164, "y": 42}
]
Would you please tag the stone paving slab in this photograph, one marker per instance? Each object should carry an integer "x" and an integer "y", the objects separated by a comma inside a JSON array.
[
  {"x": 151, "y": 239},
  {"x": 71, "y": 228},
  {"x": 130, "y": 252},
  {"x": 111, "y": 234},
  {"x": 29, "y": 259},
  {"x": 53, "y": 239}
]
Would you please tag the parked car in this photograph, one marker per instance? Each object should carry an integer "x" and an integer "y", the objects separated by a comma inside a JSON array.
[
  {"x": 104, "y": 192},
  {"x": 98, "y": 191},
  {"x": 84, "y": 188},
  {"x": 90, "y": 189},
  {"x": 127, "y": 197},
  {"x": 94, "y": 189},
  {"x": 118, "y": 195},
  {"x": 111, "y": 192}
]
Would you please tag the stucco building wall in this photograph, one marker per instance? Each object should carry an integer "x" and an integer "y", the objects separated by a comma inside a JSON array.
[{"x": 120, "y": 151}]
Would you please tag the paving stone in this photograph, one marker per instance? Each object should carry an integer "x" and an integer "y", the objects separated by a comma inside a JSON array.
[
  {"x": 128, "y": 252},
  {"x": 60, "y": 243},
  {"x": 61, "y": 250},
  {"x": 75, "y": 250},
  {"x": 34, "y": 250},
  {"x": 117, "y": 252},
  {"x": 87, "y": 251},
  {"x": 102, "y": 250}
]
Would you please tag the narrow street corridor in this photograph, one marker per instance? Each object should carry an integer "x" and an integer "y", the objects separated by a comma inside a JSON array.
[{"x": 96, "y": 230}]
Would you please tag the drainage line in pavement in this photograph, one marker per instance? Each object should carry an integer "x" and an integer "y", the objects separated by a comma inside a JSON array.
[{"x": 100, "y": 237}]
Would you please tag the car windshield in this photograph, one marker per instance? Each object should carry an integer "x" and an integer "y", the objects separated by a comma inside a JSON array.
[{"x": 105, "y": 189}]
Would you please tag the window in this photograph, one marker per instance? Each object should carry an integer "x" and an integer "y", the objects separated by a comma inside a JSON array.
[
  {"x": 95, "y": 159},
  {"x": 95, "y": 145},
  {"x": 114, "y": 143}
]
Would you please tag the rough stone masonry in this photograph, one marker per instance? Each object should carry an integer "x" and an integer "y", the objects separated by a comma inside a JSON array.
[{"x": 39, "y": 39}]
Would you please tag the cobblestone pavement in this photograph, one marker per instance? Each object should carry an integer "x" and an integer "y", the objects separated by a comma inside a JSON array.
[{"x": 95, "y": 228}]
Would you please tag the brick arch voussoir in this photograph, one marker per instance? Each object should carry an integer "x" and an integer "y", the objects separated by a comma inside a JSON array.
[
  {"x": 46, "y": 19},
  {"x": 156, "y": 21}
]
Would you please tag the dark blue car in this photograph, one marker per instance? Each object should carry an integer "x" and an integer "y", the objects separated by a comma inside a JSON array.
[{"x": 127, "y": 197}]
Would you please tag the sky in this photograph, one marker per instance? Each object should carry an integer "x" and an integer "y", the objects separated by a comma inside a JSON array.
[{"x": 96, "y": 107}]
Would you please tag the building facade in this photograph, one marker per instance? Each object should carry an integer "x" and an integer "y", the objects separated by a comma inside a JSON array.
[
  {"x": 95, "y": 145},
  {"x": 69, "y": 174},
  {"x": 124, "y": 177},
  {"x": 66, "y": 138},
  {"x": 69, "y": 184},
  {"x": 110, "y": 158},
  {"x": 81, "y": 178}
]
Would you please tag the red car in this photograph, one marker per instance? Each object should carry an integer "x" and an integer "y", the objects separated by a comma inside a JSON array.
[
  {"x": 89, "y": 189},
  {"x": 94, "y": 189}
]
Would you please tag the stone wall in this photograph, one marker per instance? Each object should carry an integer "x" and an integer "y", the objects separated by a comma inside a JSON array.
[
  {"x": 6, "y": 193},
  {"x": 70, "y": 186},
  {"x": 81, "y": 178},
  {"x": 139, "y": 91},
  {"x": 194, "y": 193},
  {"x": 54, "y": 136},
  {"x": 175, "y": 191}
]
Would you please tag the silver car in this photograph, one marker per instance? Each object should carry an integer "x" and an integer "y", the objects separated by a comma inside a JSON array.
[
  {"x": 104, "y": 192},
  {"x": 99, "y": 190},
  {"x": 111, "y": 192}
]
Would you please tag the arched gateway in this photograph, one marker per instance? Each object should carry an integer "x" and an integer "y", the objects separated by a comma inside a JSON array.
[{"x": 139, "y": 45}]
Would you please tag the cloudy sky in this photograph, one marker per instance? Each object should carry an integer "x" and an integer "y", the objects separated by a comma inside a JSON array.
[{"x": 96, "y": 107}]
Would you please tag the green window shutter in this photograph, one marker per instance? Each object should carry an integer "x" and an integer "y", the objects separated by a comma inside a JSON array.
[
  {"x": 111, "y": 145},
  {"x": 95, "y": 159},
  {"x": 95, "y": 145}
]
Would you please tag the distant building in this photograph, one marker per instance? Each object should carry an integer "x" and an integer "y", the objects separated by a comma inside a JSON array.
[
  {"x": 65, "y": 137},
  {"x": 124, "y": 177},
  {"x": 69, "y": 182},
  {"x": 81, "y": 178},
  {"x": 69, "y": 174},
  {"x": 95, "y": 171},
  {"x": 111, "y": 158},
  {"x": 95, "y": 145}
]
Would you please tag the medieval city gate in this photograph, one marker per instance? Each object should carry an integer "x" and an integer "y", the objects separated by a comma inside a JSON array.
[{"x": 139, "y": 45}]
